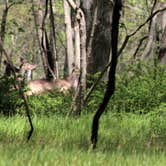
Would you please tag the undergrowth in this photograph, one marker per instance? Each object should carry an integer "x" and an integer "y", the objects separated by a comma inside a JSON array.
[{"x": 132, "y": 130}]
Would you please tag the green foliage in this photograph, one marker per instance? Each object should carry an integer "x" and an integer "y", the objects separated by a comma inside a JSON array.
[
  {"x": 9, "y": 98},
  {"x": 50, "y": 103},
  {"x": 140, "y": 88},
  {"x": 47, "y": 104},
  {"x": 97, "y": 94}
]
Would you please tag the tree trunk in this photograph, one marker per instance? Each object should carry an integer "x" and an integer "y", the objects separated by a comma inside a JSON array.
[
  {"x": 162, "y": 49},
  {"x": 53, "y": 40},
  {"x": 83, "y": 65},
  {"x": 69, "y": 36},
  {"x": 80, "y": 55},
  {"x": 46, "y": 46},
  {"x": 111, "y": 78},
  {"x": 37, "y": 8},
  {"x": 99, "y": 20},
  {"x": 155, "y": 47},
  {"x": 3, "y": 25},
  {"x": 150, "y": 46}
]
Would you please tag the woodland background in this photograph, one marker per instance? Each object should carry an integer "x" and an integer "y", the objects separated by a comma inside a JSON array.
[{"x": 132, "y": 128}]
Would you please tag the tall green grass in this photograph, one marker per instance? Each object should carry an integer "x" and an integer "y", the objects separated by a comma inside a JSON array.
[{"x": 124, "y": 139}]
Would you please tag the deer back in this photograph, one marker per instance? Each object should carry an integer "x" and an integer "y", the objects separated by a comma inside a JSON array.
[{"x": 37, "y": 87}]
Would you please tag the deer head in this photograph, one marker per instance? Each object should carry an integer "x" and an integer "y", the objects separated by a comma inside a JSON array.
[{"x": 26, "y": 68}]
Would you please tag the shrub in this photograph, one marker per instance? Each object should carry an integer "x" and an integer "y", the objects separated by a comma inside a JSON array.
[
  {"x": 140, "y": 88},
  {"x": 9, "y": 99},
  {"x": 50, "y": 103}
]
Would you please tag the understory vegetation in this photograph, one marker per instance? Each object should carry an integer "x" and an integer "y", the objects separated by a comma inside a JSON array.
[
  {"x": 132, "y": 132},
  {"x": 140, "y": 89}
]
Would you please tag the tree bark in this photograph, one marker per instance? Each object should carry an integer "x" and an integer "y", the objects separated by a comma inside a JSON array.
[
  {"x": 69, "y": 36},
  {"x": 162, "y": 47},
  {"x": 102, "y": 40},
  {"x": 77, "y": 41},
  {"x": 7, "y": 6},
  {"x": 156, "y": 35},
  {"x": 150, "y": 49},
  {"x": 81, "y": 61},
  {"x": 37, "y": 8},
  {"x": 162, "y": 51},
  {"x": 111, "y": 78},
  {"x": 53, "y": 40}
]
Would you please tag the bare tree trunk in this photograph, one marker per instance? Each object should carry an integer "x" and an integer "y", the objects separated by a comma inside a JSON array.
[
  {"x": 83, "y": 66},
  {"x": 53, "y": 40},
  {"x": 69, "y": 36},
  {"x": 7, "y": 6},
  {"x": 111, "y": 80},
  {"x": 37, "y": 7},
  {"x": 46, "y": 46},
  {"x": 149, "y": 49},
  {"x": 156, "y": 35},
  {"x": 83, "y": 61},
  {"x": 91, "y": 35},
  {"x": 162, "y": 49},
  {"x": 77, "y": 42},
  {"x": 98, "y": 20},
  {"x": 80, "y": 55},
  {"x": 88, "y": 7}
]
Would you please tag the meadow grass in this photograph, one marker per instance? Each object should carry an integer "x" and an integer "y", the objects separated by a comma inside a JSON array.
[{"x": 59, "y": 140}]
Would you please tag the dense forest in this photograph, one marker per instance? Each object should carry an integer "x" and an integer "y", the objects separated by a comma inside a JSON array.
[{"x": 83, "y": 82}]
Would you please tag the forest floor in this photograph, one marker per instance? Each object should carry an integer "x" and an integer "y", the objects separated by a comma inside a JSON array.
[{"x": 124, "y": 139}]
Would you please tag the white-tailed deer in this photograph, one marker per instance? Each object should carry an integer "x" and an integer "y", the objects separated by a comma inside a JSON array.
[
  {"x": 26, "y": 69},
  {"x": 23, "y": 72},
  {"x": 40, "y": 86},
  {"x": 37, "y": 87}
]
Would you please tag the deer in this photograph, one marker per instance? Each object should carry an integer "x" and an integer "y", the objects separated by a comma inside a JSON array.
[
  {"x": 40, "y": 86},
  {"x": 26, "y": 69},
  {"x": 23, "y": 73}
]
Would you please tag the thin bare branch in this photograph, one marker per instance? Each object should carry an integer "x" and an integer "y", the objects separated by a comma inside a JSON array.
[
  {"x": 21, "y": 93},
  {"x": 120, "y": 52}
]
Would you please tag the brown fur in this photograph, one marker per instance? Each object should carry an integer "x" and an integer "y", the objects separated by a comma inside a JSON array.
[{"x": 37, "y": 87}]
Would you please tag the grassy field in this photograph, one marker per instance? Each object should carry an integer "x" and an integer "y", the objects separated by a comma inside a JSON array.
[{"x": 58, "y": 140}]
